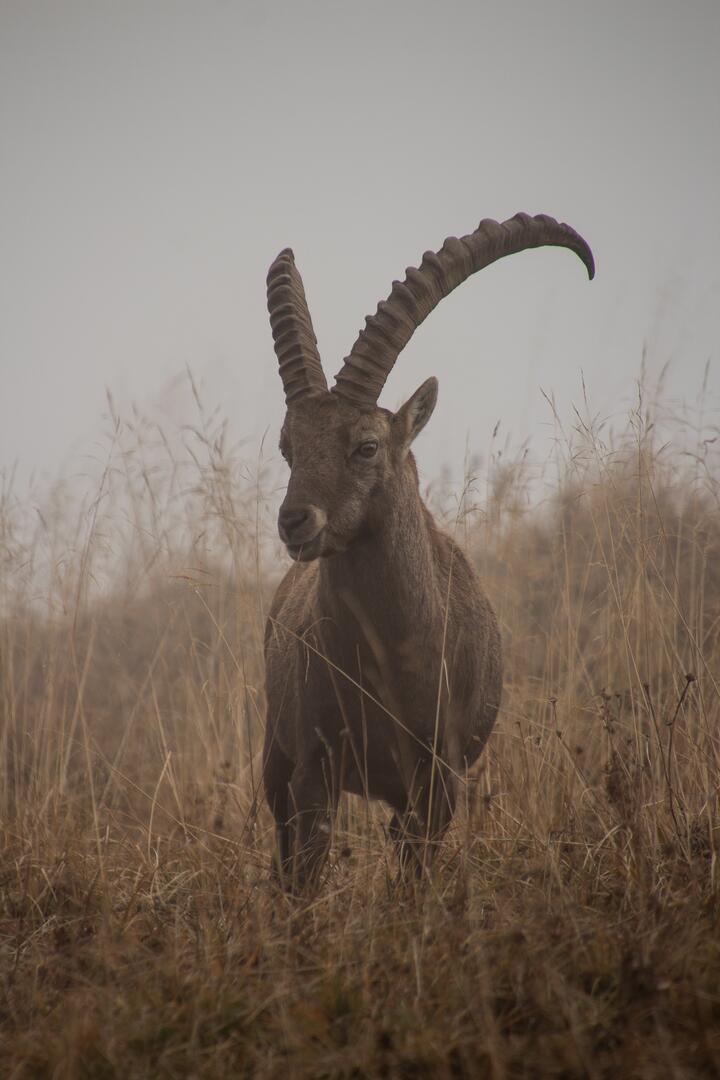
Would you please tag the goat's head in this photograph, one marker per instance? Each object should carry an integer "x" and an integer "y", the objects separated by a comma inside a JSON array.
[
  {"x": 346, "y": 454},
  {"x": 345, "y": 464}
]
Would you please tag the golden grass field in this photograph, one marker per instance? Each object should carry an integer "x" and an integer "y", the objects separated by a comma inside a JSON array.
[{"x": 570, "y": 926}]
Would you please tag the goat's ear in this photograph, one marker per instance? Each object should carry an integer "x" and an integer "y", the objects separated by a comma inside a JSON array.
[{"x": 412, "y": 417}]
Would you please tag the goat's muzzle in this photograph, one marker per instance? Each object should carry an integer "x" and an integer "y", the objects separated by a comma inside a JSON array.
[{"x": 300, "y": 527}]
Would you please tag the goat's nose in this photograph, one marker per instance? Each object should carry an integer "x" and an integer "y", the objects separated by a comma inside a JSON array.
[{"x": 291, "y": 519}]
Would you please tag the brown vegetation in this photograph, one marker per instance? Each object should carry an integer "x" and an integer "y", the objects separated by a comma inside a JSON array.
[{"x": 570, "y": 923}]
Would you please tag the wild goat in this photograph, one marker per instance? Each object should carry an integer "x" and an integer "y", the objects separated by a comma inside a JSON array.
[{"x": 383, "y": 657}]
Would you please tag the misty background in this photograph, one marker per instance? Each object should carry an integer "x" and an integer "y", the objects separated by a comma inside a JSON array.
[{"x": 154, "y": 158}]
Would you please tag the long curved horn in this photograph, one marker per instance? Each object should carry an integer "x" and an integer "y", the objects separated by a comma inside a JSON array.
[
  {"x": 295, "y": 342},
  {"x": 387, "y": 332}
]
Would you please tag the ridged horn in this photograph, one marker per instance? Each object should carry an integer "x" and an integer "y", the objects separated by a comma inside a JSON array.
[
  {"x": 387, "y": 332},
  {"x": 295, "y": 342}
]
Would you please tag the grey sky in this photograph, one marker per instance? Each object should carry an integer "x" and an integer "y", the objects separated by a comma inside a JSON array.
[{"x": 155, "y": 156}]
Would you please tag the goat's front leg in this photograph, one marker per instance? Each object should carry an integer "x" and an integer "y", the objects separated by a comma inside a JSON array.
[
  {"x": 313, "y": 798},
  {"x": 431, "y": 800},
  {"x": 278, "y": 769}
]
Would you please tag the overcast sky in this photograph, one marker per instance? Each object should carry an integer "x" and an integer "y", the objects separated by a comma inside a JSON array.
[{"x": 155, "y": 156}]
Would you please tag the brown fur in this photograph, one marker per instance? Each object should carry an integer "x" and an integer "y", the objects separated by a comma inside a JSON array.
[{"x": 382, "y": 653}]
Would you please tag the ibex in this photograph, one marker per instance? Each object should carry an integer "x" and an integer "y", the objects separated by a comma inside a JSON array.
[{"x": 383, "y": 655}]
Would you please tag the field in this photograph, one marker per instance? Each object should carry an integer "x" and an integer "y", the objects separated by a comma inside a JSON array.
[{"x": 570, "y": 926}]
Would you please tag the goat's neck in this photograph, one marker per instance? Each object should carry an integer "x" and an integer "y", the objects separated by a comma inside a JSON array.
[{"x": 388, "y": 577}]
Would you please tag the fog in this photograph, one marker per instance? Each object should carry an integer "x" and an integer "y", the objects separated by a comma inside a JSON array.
[{"x": 155, "y": 157}]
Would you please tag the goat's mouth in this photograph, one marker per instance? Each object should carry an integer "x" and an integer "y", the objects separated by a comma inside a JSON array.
[{"x": 308, "y": 550}]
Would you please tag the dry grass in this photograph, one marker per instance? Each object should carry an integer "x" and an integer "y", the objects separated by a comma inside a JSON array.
[{"x": 570, "y": 927}]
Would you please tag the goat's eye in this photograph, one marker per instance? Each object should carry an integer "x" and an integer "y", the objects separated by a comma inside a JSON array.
[{"x": 367, "y": 449}]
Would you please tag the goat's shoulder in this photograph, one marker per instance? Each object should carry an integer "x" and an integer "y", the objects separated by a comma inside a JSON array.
[
  {"x": 459, "y": 580},
  {"x": 450, "y": 560}
]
